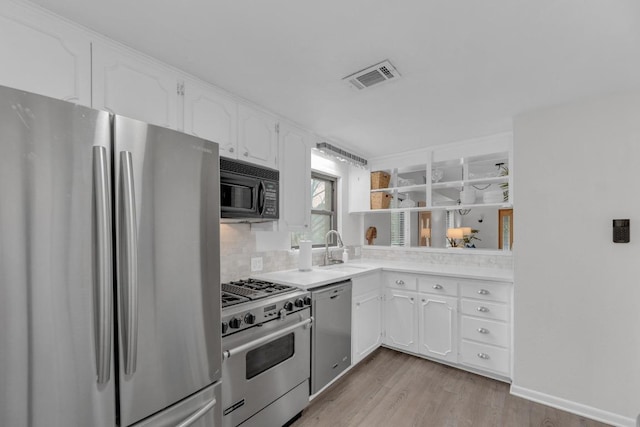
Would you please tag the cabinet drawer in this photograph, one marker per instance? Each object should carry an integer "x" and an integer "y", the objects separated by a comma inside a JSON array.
[
  {"x": 486, "y": 357},
  {"x": 401, "y": 281},
  {"x": 486, "y": 331},
  {"x": 485, "y": 290},
  {"x": 437, "y": 285},
  {"x": 485, "y": 309}
]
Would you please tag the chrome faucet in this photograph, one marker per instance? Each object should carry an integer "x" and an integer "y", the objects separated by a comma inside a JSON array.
[{"x": 328, "y": 260}]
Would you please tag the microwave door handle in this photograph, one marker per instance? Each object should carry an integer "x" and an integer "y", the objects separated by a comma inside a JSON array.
[{"x": 261, "y": 197}]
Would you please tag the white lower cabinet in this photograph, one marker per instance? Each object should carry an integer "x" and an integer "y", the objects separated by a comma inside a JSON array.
[
  {"x": 367, "y": 325},
  {"x": 438, "y": 320},
  {"x": 485, "y": 326},
  {"x": 401, "y": 320},
  {"x": 462, "y": 322},
  {"x": 486, "y": 357},
  {"x": 367, "y": 314}
]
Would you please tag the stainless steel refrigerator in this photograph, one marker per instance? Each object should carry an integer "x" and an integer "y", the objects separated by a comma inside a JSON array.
[{"x": 109, "y": 270}]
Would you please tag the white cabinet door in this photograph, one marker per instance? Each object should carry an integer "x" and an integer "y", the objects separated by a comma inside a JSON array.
[
  {"x": 438, "y": 326},
  {"x": 401, "y": 320},
  {"x": 134, "y": 87},
  {"x": 359, "y": 189},
  {"x": 43, "y": 55},
  {"x": 295, "y": 178},
  {"x": 210, "y": 115},
  {"x": 367, "y": 325},
  {"x": 257, "y": 137}
]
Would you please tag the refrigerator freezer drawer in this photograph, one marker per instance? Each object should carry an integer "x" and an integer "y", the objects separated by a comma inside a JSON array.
[{"x": 200, "y": 410}]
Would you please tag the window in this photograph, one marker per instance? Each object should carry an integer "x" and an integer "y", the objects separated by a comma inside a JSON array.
[
  {"x": 399, "y": 226},
  {"x": 324, "y": 212}
]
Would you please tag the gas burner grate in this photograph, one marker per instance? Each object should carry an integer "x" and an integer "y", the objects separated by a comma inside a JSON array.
[
  {"x": 237, "y": 289},
  {"x": 255, "y": 289},
  {"x": 230, "y": 299}
]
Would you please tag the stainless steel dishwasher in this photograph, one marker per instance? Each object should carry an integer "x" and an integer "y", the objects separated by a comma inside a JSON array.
[{"x": 331, "y": 333}]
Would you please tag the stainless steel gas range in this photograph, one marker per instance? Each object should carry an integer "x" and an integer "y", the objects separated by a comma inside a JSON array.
[{"x": 266, "y": 343}]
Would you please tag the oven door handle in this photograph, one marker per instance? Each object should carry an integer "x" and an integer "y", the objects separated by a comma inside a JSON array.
[{"x": 258, "y": 342}]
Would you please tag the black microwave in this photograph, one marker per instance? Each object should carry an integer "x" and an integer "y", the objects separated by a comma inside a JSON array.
[{"x": 248, "y": 192}]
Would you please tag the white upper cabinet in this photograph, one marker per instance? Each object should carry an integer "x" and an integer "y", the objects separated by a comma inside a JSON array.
[
  {"x": 43, "y": 55},
  {"x": 257, "y": 137},
  {"x": 134, "y": 87},
  {"x": 211, "y": 115},
  {"x": 474, "y": 173},
  {"x": 295, "y": 178},
  {"x": 359, "y": 187}
]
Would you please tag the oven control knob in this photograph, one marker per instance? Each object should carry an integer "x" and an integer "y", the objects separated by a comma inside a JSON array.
[
  {"x": 288, "y": 306},
  {"x": 299, "y": 302},
  {"x": 249, "y": 318},
  {"x": 307, "y": 300},
  {"x": 225, "y": 327},
  {"x": 235, "y": 323}
]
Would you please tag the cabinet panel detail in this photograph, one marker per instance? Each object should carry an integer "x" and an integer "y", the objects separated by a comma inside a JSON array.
[
  {"x": 126, "y": 85},
  {"x": 438, "y": 319},
  {"x": 401, "y": 320},
  {"x": 48, "y": 59}
]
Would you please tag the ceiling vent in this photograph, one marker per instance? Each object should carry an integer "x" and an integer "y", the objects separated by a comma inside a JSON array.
[{"x": 374, "y": 75}]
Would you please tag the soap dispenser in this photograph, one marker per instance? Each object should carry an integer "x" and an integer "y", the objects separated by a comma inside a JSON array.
[{"x": 345, "y": 255}]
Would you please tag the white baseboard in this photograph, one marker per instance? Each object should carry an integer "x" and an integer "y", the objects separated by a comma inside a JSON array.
[{"x": 573, "y": 407}]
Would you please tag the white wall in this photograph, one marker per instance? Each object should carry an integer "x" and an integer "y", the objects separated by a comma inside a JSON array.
[{"x": 577, "y": 294}]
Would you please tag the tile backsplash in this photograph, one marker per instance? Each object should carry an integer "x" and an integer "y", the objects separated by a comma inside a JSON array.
[
  {"x": 238, "y": 246},
  {"x": 465, "y": 257}
]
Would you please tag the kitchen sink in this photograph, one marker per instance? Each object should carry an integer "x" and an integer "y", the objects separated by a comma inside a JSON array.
[{"x": 345, "y": 268}]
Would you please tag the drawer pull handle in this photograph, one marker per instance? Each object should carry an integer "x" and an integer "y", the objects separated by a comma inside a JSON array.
[
  {"x": 483, "y": 309},
  {"x": 483, "y": 330},
  {"x": 437, "y": 287},
  {"x": 484, "y": 292},
  {"x": 411, "y": 299},
  {"x": 399, "y": 282},
  {"x": 484, "y": 356}
]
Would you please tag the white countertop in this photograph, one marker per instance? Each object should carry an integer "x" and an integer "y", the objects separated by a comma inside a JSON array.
[{"x": 320, "y": 276}]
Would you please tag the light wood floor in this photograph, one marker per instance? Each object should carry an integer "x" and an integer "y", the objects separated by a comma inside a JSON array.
[{"x": 394, "y": 389}]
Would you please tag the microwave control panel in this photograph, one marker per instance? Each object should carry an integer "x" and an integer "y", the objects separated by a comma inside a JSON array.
[{"x": 270, "y": 199}]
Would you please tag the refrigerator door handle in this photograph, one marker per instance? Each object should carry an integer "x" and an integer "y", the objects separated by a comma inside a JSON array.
[
  {"x": 198, "y": 414},
  {"x": 128, "y": 263},
  {"x": 102, "y": 264}
]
